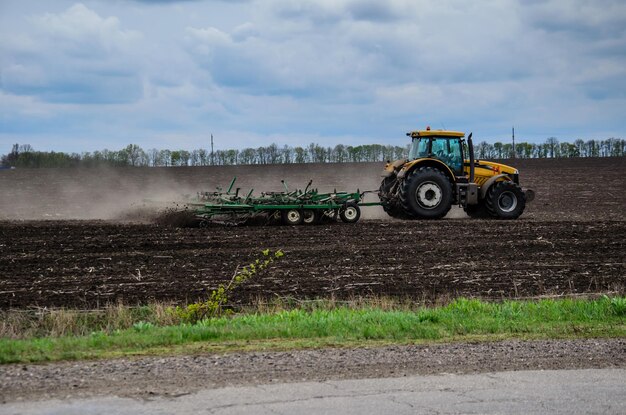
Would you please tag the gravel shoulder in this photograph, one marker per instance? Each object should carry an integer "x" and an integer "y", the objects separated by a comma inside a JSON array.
[{"x": 180, "y": 375}]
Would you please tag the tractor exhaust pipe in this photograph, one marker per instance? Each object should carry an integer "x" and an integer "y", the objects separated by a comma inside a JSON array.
[{"x": 470, "y": 146}]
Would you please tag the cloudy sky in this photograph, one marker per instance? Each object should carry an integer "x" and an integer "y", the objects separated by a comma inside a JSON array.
[{"x": 81, "y": 76}]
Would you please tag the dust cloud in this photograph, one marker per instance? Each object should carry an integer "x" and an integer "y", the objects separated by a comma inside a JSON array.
[{"x": 141, "y": 194}]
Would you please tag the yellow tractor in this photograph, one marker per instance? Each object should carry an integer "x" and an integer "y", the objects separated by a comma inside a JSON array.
[{"x": 437, "y": 175}]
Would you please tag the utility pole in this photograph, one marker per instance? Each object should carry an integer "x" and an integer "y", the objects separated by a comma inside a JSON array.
[
  {"x": 212, "y": 154},
  {"x": 513, "y": 134}
]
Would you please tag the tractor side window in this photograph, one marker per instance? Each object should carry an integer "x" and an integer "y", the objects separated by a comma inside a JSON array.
[
  {"x": 440, "y": 148},
  {"x": 419, "y": 149},
  {"x": 455, "y": 156},
  {"x": 449, "y": 151}
]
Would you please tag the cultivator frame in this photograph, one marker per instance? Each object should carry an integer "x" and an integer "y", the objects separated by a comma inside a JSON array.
[{"x": 296, "y": 207}]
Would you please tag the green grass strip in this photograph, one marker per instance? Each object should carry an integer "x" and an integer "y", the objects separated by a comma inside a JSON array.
[{"x": 461, "y": 320}]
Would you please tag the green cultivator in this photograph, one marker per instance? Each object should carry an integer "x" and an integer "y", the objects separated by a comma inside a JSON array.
[{"x": 296, "y": 207}]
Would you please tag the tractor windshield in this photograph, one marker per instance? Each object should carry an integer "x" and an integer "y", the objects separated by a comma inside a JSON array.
[{"x": 419, "y": 148}]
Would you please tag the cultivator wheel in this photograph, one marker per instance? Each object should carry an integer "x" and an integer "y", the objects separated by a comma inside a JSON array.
[
  {"x": 292, "y": 217},
  {"x": 330, "y": 215},
  {"x": 350, "y": 213},
  {"x": 275, "y": 217},
  {"x": 310, "y": 216},
  {"x": 203, "y": 223}
]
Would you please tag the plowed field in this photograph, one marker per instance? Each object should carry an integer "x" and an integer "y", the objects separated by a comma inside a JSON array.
[{"x": 570, "y": 240}]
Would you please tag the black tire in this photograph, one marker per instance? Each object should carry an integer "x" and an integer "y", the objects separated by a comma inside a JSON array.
[
  {"x": 505, "y": 200},
  {"x": 384, "y": 191},
  {"x": 478, "y": 211},
  {"x": 275, "y": 217},
  {"x": 350, "y": 213},
  {"x": 426, "y": 194},
  {"x": 328, "y": 215},
  {"x": 311, "y": 216},
  {"x": 396, "y": 212},
  {"x": 292, "y": 217},
  {"x": 203, "y": 223},
  {"x": 390, "y": 206}
]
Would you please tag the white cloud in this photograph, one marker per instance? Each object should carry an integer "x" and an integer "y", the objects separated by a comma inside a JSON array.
[
  {"x": 79, "y": 26},
  {"x": 74, "y": 57}
]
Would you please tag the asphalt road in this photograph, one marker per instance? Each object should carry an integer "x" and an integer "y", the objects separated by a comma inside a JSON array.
[{"x": 522, "y": 392}]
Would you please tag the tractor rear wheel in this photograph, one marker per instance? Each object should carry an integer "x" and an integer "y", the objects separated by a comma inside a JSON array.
[
  {"x": 426, "y": 194},
  {"x": 396, "y": 212},
  {"x": 505, "y": 200},
  {"x": 350, "y": 213},
  {"x": 292, "y": 217},
  {"x": 390, "y": 205}
]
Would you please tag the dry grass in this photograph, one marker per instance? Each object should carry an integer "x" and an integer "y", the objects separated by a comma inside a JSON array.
[{"x": 22, "y": 324}]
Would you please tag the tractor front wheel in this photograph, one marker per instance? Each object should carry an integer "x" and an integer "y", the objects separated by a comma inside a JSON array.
[
  {"x": 478, "y": 211},
  {"x": 505, "y": 200},
  {"x": 426, "y": 194}
]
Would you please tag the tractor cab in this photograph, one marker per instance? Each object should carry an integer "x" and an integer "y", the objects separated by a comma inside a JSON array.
[{"x": 446, "y": 146}]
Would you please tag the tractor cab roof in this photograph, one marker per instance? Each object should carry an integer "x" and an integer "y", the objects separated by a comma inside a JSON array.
[{"x": 435, "y": 133}]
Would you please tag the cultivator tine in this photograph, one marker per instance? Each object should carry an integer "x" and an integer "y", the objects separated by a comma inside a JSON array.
[
  {"x": 232, "y": 183},
  {"x": 248, "y": 196}
]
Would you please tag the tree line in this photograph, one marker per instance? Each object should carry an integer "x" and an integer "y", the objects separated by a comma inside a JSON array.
[
  {"x": 133, "y": 155},
  {"x": 552, "y": 148}
]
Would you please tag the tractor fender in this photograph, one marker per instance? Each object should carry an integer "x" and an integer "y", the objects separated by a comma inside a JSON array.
[
  {"x": 427, "y": 162},
  {"x": 485, "y": 187},
  {"x": 392, "y": 167}
]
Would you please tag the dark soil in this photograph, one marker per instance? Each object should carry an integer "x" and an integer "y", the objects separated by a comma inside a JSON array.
[
  {"x": 88, "y": 264},
  {"x": 175, "y": 376}
]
